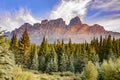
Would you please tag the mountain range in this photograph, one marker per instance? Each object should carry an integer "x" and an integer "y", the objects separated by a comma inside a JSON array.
[{"x": 58, "y": 29}]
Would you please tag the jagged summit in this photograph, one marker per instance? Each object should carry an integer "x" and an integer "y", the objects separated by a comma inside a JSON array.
[
  {"x": 75, "y": 21},
  {"x": 96, "y": 28},
  {"x": 58, "y": 29}
]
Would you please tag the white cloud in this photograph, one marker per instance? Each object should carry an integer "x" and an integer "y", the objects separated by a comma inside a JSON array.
[
  {"x": 109, "y": 23},
  {"x": 68, "y": 9},
  {"x": 106, "y": 5},
  {"x": 12, "y": 20}
]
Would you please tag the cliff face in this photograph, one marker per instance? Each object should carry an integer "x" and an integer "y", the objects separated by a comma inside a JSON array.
[{"x": 57, "y": 29}]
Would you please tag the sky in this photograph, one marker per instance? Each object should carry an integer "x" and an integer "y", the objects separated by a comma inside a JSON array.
[{"x": 14, "y": 13}]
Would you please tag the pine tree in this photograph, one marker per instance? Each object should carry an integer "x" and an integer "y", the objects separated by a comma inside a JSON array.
[
  {"x": 109, "y": 42},
  {"x": 100, "y": 53},
  {"x": 101, "y": 40},
  {"x": 70, "y": 64},
  {"x": 24, "y": 42},
  {"x": 34, "y": 58},
  {"x": 62, "y": 63},
  {"x": 80, "y": 57},
  {"x": 90, "y": 72},
  {"x": 70, "y": 48},
  {"x": 92, "y": 56},
  {"x": 43, "y": 51},
  {"x": 110, "y": 47},
  {"x": 44, "y": 47},
  {"x": 62, "y": 57},
  {"x": 42, "y": 65},
  {"x": 104, "y": 54},
  {"x": 117, "y": 47},
  {"x": 24, "y": 48},
  {"x": 13, "y": 43},
  {"x": 70, "y": 51},
  {"x": 52, "y": 61},
  {"x": 77, "y": 59}
]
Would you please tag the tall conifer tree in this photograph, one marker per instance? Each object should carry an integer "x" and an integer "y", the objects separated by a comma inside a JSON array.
[
  {"x": 52, "y": 65},
  {"x": 24, "y": 48},
  {"x": 34, "y": 58},
  {"x": 44, "y": 50},
  {"x": 13, "y": 43}
]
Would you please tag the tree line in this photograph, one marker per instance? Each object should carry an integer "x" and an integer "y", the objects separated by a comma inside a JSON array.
[{"x": 60, "y": 56}]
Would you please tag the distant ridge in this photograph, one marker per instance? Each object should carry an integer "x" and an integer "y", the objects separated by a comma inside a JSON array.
[{"x": 58, "y": 29}]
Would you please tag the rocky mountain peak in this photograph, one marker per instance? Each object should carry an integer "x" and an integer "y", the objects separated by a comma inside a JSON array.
[
  {"x": 96, "y": 28},
  {"x": 75, "y": 21},
  {"x": 44, "y": 21},
  {"x": 57, "y": 29},
  {"x": 26, "y": 25},
  {"x": 57, "y": 23}
]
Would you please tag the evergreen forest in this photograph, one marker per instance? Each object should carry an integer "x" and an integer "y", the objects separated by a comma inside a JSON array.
[{"x": 20, "y": 59}]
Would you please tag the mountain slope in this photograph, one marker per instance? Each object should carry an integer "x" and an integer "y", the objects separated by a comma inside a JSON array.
[{"x": 57, "y": 29}]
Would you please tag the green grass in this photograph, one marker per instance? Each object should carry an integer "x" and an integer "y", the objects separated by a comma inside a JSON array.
[{"x": 19, "y": 74}]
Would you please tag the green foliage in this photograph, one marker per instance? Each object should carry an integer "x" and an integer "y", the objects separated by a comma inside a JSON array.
[
  {"x": 24, "y": 48},
  {"x": 43, "y": 51},
  {"x": 7, "y": 63},
  {"x": 70, "y": 64},
  {"x": 24, "y": 43},
  {"x": 6, "y": 60},
  {"x": 62, "y": 57},
  {"x": 90, "y": 72},
  {"x": 42, "y": 65},
  {"x": 23, "y": 75},
  {"x": 69, "y": 57},
  {"x": 13, "y": 43},
  {"x": 52, "y": 65},
  {"x": 92, "y": 56},
  {"x": 80, "y": 57},
  {"x": 110, "y": 70},
  {"x": 77, "y": 58},
  {"x": 62, "y": 62},
  {"x": 34, "y": 62}
]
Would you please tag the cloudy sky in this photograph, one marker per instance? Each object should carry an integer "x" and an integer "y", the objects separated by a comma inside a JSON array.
[{"x": 13, "y": 13}]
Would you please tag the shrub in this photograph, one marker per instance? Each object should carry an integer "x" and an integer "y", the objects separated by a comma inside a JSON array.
[
  {"x": 90, "y": 72},
  {"x": 23, "y": 75},
  {"x": 110, "y": 70},
  {"x": 6, "y": 63}
]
